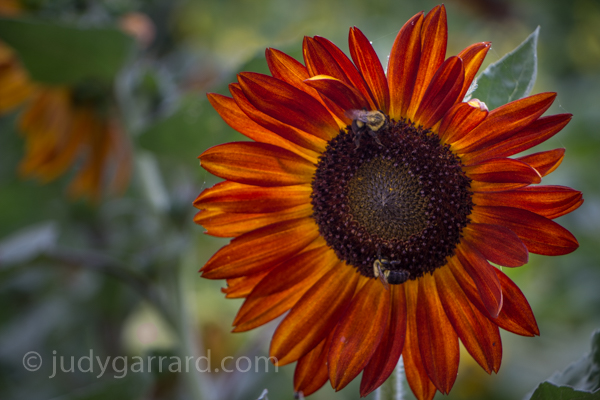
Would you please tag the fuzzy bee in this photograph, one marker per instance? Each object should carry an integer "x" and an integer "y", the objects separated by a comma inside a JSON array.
[
  {"x": 366, "y": 121},
  {"x": 387, "y": 276}
]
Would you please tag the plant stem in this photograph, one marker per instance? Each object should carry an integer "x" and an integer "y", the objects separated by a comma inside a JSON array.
[{"x": 392, "y": 388}]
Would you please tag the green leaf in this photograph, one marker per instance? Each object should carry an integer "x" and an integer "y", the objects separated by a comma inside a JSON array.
[
  {"x": 580, "y": 381},
  {"x": 56, "y": 53},
  {"x": 548, "y": 391},
  {"x": 584, "y": 374},
  {"x": 510, "y": 78}
]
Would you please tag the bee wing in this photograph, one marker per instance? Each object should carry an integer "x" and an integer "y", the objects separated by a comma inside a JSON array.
[
  {"x": 382, "y": 277},
  {"x": 360, "y": 115}
]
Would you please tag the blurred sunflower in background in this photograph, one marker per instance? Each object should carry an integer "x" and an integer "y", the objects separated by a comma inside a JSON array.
[
  {"x": 66, "y": 127},
  {"x": 370, "y": 205}
]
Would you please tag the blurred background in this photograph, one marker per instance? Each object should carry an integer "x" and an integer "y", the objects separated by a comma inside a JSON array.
[{"x": 98, "y": 250}]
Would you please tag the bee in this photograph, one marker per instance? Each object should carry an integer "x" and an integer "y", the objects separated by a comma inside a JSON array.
[
  {"x": 366, "y": 121},
  {"x": 387, "y": 276}
]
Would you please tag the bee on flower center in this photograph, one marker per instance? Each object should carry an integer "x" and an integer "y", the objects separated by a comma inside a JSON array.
[
  {"x": 387, "y": 276},
  {"x": 367, "y": 121}
]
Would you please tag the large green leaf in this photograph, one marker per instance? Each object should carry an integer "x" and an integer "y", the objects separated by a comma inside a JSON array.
[
  {"x": 583, "y": 374},
  {"x": 548, "y": 391},
  {"x": 581, "y": 380},
  {"x": 56, "y": 53},
  {"x": 510, "y": 78}
]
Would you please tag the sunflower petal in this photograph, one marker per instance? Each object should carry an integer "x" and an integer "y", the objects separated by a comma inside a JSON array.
[
  {"x": 498, "y": 244},
  {"x": 460, "y": 120},
  {"x": 434, "y": 38},
  {"x": 315, "y": 315},
  {"x": 367, "y": 63},
  {"x": 335, "y": 61},
  {"x": 535, "y": 133},
  {"x": 346, "y": 97},
  {"x": 548, "y": 201},
  {"x": 540, "y": 235},
  {"x": 260, "y": 249},
  {"x": 242, "y": 286},
  {"x": 416, "y": 375},
  {"x": 281, "y": 289},
  {"x": 311, "y": 371},
  {"x": 289, "y": 70},
  {"x": 386, "y": 357},
  {"x": 482, "y": 273},
  {"x": 303, "y": 143},
  {"x": 438, "y": 341},
  {"x": 441, "y": 94},
  {"x": 403, "y": 65},
  {"x": 239, "y": 198},
  {"x": 226, "y": 224},
  {"x": 355, "y": 341},
  {"x": 480, "y": 337},
  {"x": 504, "y": 122},
  {"x": 287, "y": 104},
  {"x": 516, "y": 313},
  {"x": 502, "y": 170},
  {"x": 231, "y": 113},
  {"x": 258, "y": 164},
  {"x": 546, "y": 161},
  {"x": 472, "y": 58}
]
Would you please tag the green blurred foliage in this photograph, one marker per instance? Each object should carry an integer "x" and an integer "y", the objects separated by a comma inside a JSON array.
[{"x": 75, "y": 276}]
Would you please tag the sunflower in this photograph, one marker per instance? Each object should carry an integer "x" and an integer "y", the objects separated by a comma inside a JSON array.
[
  {"x": 369, "y": 207},
  {"x": 65, "y": 127}
]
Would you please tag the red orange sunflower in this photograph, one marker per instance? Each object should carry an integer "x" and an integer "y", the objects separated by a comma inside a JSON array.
[
  {"x": 65, "y": 127},
  {"x": 369, "y": 207}
]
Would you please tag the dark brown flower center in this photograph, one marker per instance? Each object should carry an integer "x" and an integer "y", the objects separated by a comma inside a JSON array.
[{"x": 405, "y": 202}]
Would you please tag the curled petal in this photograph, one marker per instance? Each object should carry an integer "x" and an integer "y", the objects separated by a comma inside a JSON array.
[
  {"x": 472, "y": 58},
  {"x": 346, "y": 97},
  {"x": 460, "y": 120},
  {"x": 289, "y": 70},
  {"x": 516, "y": 313},
  {"x": 241, "y": 287},
  {"x": 546, "y": 161},
  {"x": 322, "y": 57},
  {"x": 520, "y": 317},
  {"x": 287, "y": 104},
  {"x": 503, "y": 122},
  {"x": 260, "y": 249},
  {"x": 231, "y": 113},
  {"x": 535, "y": 133},
  {"x": 304, "y": 141},
  {"x": 502, "y": 170},
  {"x": 258, "y": 164},
  {"x": 540, "y": 235},
  {"x": 548, "y": 201},
  {"x": 498, "y": 244}
]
